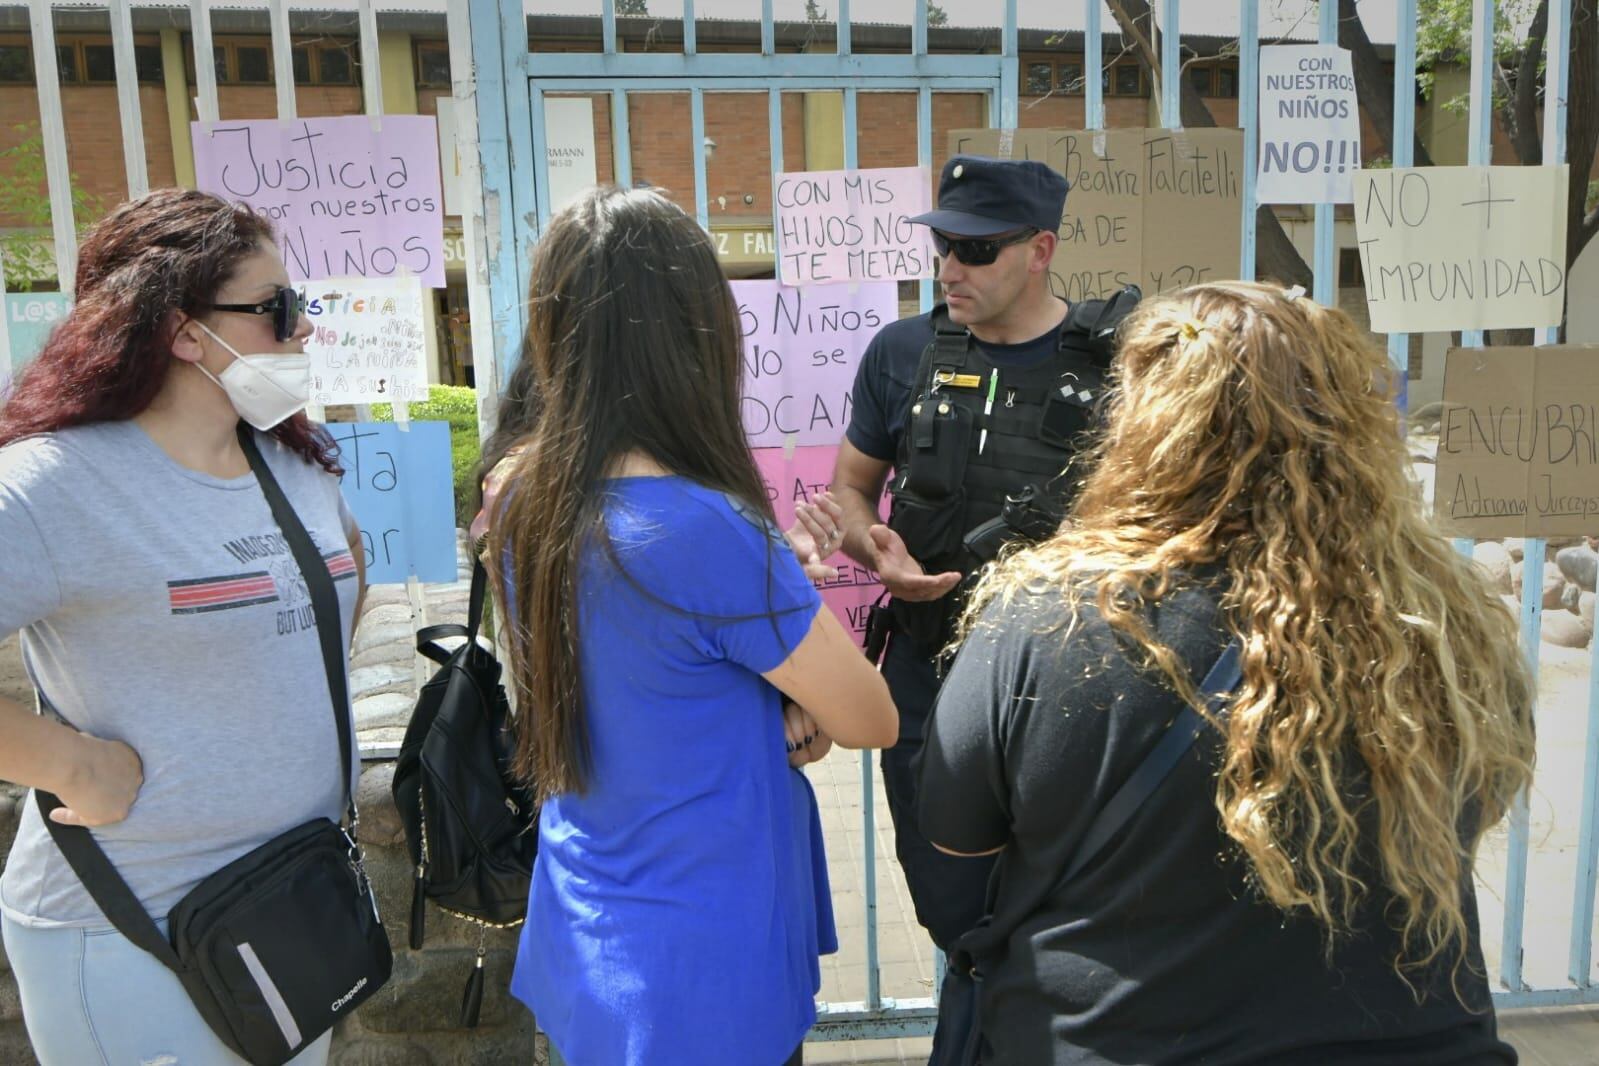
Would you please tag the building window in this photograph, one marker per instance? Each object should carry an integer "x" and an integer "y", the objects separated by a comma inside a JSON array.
[
  {"x": 1126, "y": 79},
  {"x": 254, "y": 64},
  {"x": 16, "y": 64},
  {"x": 300, "y": 58},
  {"x": 99, "y": 64},
  {"x": 335, "y": 64},
  {"x": 67, "y": 64},
  {"x": 1227, "y": 82},
  {"x": 147, "y": 62},
  {"x": 1040, "y": 79},
  {"x": 1200, "y": 79},
  {"x": 432, "y": 65},
  {"x": 1350, "y": 275},
  {"x": 1069, "y": 78}
]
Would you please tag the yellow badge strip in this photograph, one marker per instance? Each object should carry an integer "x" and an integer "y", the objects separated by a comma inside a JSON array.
[{"x": 949, "y": 380}]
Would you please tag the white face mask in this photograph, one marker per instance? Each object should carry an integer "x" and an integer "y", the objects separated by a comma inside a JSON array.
[{"x": 264, "y": 389}]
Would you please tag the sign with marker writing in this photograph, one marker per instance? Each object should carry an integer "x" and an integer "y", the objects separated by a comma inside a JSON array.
[
  {"x": 852, "y": 225},
  {"x": 801, "y": 348},
  {"x": 1309, "y": 125},
  {"x": 366, "y": 344},
  {"x": 399, "y": 485},
  {"x": 795, "y": 476},
  {"x": 1447, "y": 248},
  {"x": 30, "y": 316},
  {"x": 1518, "y": 447},
  {"x": 350, "y": 195},
  {"x": 1154, "y": 208}
]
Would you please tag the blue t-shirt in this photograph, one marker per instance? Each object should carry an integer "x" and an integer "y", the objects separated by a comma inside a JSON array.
[{"x": 679, "y": 905}]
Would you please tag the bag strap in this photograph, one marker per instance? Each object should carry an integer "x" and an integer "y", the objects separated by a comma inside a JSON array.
[
  {"x": 1174, "y": 744},
  {"x": 427, "y": 637},
  {"x": 78, "y": 846}
]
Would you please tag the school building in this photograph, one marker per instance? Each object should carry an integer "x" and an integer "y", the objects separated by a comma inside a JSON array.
[{"x": 416, "y": 77}]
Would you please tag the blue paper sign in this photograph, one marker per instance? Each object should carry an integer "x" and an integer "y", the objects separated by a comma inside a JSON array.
[
  {"x": 30, "y": 316},
  {"x": 400, "y": 487}
]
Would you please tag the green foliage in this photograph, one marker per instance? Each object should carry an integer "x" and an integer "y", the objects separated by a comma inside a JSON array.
[
  {"x": 25, "y": 196},
  {"x": 1443, "y": 34},
  {"x": 936, "y": 15},
  {"x": 456, "y": 405},
  {"x": 632, "y": 7}
]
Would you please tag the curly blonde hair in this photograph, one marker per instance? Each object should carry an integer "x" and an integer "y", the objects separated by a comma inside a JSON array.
[{"x": 1255, "y": 432}]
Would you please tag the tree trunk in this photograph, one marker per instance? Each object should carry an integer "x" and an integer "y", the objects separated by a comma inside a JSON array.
[
  {"x": 1582, "y": 126},
  {"x": 1275, "y": 255},
  {"x": 1373, "y": 83}
]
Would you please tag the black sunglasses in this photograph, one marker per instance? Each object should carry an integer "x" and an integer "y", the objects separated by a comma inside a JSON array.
[
  {"x": 978, "y": 251},
  {"x": 285, "y": 306}
]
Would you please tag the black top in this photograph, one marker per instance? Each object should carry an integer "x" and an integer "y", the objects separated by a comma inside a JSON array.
[
  {"x": 1159, "y": 952},
  {"x": 885, "y": 381}
]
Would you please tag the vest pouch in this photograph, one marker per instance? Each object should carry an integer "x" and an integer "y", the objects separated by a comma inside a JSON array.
[
  {"x": 1065, "y": 418},
  {"x": 940, "y": 432},
  {"x": 931, "y": 529}
]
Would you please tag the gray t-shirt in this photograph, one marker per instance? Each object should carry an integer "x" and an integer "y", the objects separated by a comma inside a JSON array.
[{"x": 161, "y": 607}]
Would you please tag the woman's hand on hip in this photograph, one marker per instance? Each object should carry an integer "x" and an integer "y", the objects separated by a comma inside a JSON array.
[{"x": 102, "y": 785}]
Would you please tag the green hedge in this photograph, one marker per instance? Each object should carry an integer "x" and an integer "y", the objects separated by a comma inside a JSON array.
[{"x": 456, "y": 405}]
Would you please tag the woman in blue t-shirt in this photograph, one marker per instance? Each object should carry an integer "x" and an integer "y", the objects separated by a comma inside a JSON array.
[{"x": 657, "y": 623}]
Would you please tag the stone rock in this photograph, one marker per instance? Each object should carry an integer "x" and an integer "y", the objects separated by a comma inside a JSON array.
[
  {"x": 385, "y": 596},
  {"x": 10, "y": 1002},
  {"x": 1426, "y": 419},
  {"x": 379, "y": 736},
  {"x": 383, "y": 635},
  {"x": 1580, "y": 564},
  {"x": 388, "y": 677},
  {"x": 381, "y": 625},
  {"x": 367, "y": 1050},
  {"x": 425, "y": 992},
  {"x": 1492, "y": 558},
  {"x": 384, "y": 710},
  {"x": 1566, "y": 630},
  {"x": 1423, "y": 449},
  {"x": 1514, "y": 546},
  {"x": 1585, "y": 607},
  {"x": 1554, "y": 585},
  {"x": 1569, "y": 597},
  {"x": 380, "y": 819},
  {"x": 398, "y": 651}
]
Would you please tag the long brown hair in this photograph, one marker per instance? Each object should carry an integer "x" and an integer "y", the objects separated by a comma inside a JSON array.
[
  {"x": 632, "y": 345},
  {"x": 169, "y": 250},
  {"x": 1254, "y": 431}
]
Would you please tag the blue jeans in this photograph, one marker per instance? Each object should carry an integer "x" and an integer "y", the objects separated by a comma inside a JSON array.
[{"x": 90, "y": 996}]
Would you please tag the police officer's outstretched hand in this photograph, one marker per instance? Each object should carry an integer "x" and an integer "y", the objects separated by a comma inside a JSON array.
[{"x": 903, "y": 576}]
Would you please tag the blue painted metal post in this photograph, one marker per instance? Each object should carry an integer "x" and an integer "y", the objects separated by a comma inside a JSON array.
[
  {"x": 1171, "y": 64},
  {"x": 621, "y": 138},
  {"x": 1403, "y": 154},
  {"x": 1325, "y": 280},
  {"x": 845, "y": 45},
  {"x": 1010, "y": 72},
  {"x": 768, "y": 36},
  {"x": 924, "y": 129},
  {"x": 697, "y": 127},
  {"x": 690, "y": 29},
  {"x": 1094, "y": 64},
  {"x": 541, "y": 142},
  {"x": 1248, "y": 117},
  {"x": 608, "y": 26}
]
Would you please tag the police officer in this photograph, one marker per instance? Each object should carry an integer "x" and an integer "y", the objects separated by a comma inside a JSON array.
[{"x": 978, "y": 407}]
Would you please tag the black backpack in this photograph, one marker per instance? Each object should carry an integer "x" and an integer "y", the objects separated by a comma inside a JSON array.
[
  {"x": 1091, "y": 325},
  {"x": 468, "y": 821}
]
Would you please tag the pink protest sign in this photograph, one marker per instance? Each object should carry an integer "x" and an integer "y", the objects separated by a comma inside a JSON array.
[
  {"x": 350, "y": 196},
  {"x": 801, "y": 348},
  {"x": 852, "y": 225},
  {"x": 794, "y": 478}
]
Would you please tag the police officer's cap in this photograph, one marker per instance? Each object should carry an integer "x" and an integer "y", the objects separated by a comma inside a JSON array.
[{"x": 980, "y": 197}]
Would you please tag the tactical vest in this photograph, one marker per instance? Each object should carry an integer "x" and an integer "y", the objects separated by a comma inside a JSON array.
[{"x": 950, "y": 481}]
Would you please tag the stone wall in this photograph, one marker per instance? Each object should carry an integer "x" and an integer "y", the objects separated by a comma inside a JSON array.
[{"x": 414, "y": 1019}]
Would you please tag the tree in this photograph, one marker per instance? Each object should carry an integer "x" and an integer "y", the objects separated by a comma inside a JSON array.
[
  {"x": 814, "y": 12},
  {"x": 936, "y": 15},
  {"x": 632, "y": 7},
  {"x": 24, "y": 196}
]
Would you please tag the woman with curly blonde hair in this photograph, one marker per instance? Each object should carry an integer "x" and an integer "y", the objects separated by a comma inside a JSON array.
[{"x": 1299, "y": 889}]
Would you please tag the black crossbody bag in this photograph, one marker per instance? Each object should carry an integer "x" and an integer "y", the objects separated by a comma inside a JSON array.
[
  {"x": 278, "y": 945},
  {"x": 962, "y": 1044}
]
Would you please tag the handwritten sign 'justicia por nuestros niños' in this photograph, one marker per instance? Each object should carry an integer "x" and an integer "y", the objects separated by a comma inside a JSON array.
[{"x": 349, "y": 196}]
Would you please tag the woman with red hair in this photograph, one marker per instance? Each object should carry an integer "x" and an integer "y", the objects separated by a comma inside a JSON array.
[{"x": 164, "y": 621}]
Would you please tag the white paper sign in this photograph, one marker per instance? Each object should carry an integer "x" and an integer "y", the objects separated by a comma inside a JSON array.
[
  {"x": 367, "y": 345},
  {"x": 1309, "y": 125},
  {"x": 1447, "y": 248},
  {"x": 569, "y": 147}
]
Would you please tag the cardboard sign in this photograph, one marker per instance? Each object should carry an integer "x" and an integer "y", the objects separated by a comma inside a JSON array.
[
  {"x": 1518, "y": 448},
  {"x": 399, "y": 485},
  {"x": 1159, "y": 209},
  {"x": 852, "y": 225},
  {"x": 1309, "y": 125},
  {"x": 796, "y": 477},
  {"x": 801, "y": 348},
  {"x": 351, "y": 195},
  {"x": 367, "y": 343},
  {"x": 1447, "y": 248}
]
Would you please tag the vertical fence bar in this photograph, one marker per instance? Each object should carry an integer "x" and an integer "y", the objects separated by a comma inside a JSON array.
[
  {"x": 924, "y": 159},
  {"x": 608, "y": 26},
  {"x": 1249, "y": 118},
  {"x": 1094, "y": 64},
  {"x": 1325, "y": 280},
  {"x": 1403, "y": 153},
  {"x": 697, "y": 110},
  {"x": 1009, "y": 72},
  {"x": 205, "y": 64},
  {"x": 919, "y": 28},
  {"x": 128, "y": 99},
  {"x": 691, "y": 40},
  {"x": 621, "y": 138},
  {"x": 541, "y": 144},
  {"x": 52, "y": 128},
  {"x": 1171, "y": 62},
  {"x": 494, "y": 150},
  {"x": 282, "y": 59},
  {"x": 845, "y": 44},
  {"x": 768, "y": 34},
  {"x": 371, "y": 66}
]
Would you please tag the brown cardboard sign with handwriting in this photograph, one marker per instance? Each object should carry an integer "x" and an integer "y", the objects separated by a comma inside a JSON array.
[
  {"x": 1518, "y": 447},
  {"x": 1155, "y": 208}
]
